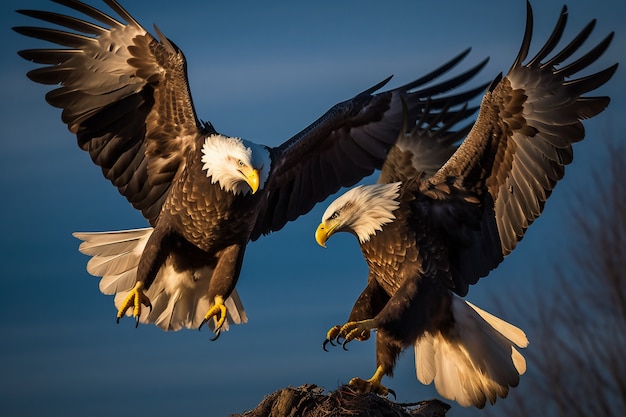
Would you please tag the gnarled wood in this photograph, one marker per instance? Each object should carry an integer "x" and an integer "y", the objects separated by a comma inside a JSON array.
[{"x": 311, "y": 401}]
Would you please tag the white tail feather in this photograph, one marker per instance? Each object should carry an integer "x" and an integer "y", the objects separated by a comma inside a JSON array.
[
  {"x": 178, "y": 299},
  {"x": 113, "y": 253},
  {"x": 514, "y": 334},
  {"x": 473, "y": 362},
  {"x": 113, "y": 284}
]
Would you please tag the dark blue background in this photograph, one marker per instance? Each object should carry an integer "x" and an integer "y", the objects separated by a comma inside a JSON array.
[{"x": 262, "y": 72}]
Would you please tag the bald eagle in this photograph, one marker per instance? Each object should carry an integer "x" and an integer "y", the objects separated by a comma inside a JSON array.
[
  {"x": 426, "y": 236},
  {"x": 126, "y": 97}
]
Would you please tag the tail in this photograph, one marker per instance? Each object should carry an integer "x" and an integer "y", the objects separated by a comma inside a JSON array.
[
  {"x": 475, "y": 360},
  {"x": 177, "y": 301}
]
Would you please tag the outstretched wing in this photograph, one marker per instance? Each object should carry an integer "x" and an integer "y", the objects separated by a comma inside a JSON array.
[
  {"x": 351, "y": 140},
  {"x": 516, "y": 152},
  {"x": 123, "y": 93}
]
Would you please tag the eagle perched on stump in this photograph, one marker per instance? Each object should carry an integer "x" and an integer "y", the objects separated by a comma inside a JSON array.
[{"x": 428, "y": 236}]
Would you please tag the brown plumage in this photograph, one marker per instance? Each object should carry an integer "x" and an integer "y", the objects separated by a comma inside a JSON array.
[
  {"x": 125, "y": 95},
  {"x": 427, "y": 237}
]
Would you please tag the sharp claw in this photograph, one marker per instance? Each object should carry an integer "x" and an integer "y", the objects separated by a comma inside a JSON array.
[
  {"x": 118, "y": 320},
  {"x": 392, "y": 392},
  {"x": 202, "y": 324},
  {"x": 218, "y": 332},
  {"x": 326, "y": 341},
  {"x": 343, "y": 345},
  {"x": 136, "y": 322}
]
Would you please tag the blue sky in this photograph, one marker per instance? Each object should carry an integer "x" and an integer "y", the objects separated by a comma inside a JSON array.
[{"x": 263, "y": 73}]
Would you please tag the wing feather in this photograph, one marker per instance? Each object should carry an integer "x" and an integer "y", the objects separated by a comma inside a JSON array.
[
  {"x": 124, "y": 94},
  {"x": 518, "y": 148},
  {"x": 426, "y": 147}
]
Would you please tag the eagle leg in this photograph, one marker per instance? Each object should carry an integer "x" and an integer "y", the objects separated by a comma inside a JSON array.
[
  {"x": 135, "y": 298},
  {"x": 218, "y": 313},
  {"x": 373, "y": 384}
]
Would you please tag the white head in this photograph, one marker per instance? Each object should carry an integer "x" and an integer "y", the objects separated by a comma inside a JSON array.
[
  {"x": 363, "y": 211},
  {"x": 237, "y": 165}
]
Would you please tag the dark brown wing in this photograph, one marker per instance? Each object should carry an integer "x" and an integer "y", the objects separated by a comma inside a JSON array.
[
  {"x": 427, "y": 146},
  {"x": 516, "y": 151},
  {"x": 123, "y": 93},
  {"x": 351, "y": 140}
]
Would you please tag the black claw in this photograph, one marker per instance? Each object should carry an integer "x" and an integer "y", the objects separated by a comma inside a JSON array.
[
  {"x": 202, "y": 324},
  {"x": 392, "y": 392},
  {"x": 343, "y": 345},
  {"x": 136, "y": 322},
  {"x": 326, "y": 341},
  {"x": 217, "y": 335},
  {"x": 118, "y": 320}
]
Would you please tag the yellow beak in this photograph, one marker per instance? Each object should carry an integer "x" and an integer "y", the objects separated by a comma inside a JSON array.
[
  {"x": 252, "y": 178},
  {"x": 322, "y": 234}
]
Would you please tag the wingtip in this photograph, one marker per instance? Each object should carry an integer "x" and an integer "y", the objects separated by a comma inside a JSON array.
[
  {"x": 464, "y": 53},
  {"x": 528, "y": 32},
  {"x": 375, "y": 87},
  {"x": 495, "y": 82}
]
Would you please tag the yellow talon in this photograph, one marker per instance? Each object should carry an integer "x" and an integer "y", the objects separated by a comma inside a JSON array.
[
  {"x": 135, "y": 298},
  {"x": 372, "y": 385},
  {"x": 359, "y": 330},
  {"x": 218, "y": 313},
  {"x": 333, "y": 333}
]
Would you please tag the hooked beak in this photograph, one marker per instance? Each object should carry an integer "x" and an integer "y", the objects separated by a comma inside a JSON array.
[
  {"x": 252, "y": 178},
  {"x": 322, "y": 234}
]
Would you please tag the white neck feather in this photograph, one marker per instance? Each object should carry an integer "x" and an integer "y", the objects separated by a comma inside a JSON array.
[
  {"x": 365, "y": 209},
  {"x": 220, "y": 155}
]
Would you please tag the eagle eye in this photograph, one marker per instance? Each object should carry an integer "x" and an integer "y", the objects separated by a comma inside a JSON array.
[{"x": 334, "y": 215}]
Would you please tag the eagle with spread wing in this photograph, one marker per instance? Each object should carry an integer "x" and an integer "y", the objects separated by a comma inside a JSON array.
[
  {"x": 126, "y": 97},
  {"x": 427, "y": 235}
]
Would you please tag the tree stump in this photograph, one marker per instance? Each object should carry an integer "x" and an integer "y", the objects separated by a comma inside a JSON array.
[{"x": 311, "y": 401}]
